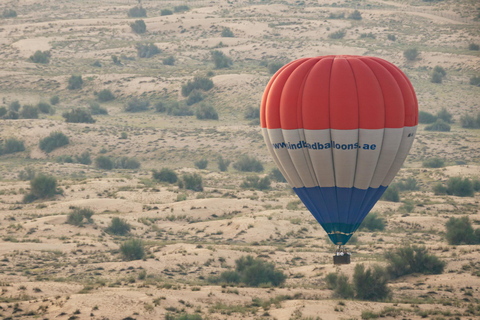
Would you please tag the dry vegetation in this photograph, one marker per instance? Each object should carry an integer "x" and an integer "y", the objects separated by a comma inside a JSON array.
[{"x": 58, "y": 261}]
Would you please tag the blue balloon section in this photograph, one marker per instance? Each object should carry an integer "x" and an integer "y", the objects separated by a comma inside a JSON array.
[{"x": 340, "y": 211}]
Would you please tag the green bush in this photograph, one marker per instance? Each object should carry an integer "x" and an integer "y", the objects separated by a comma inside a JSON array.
[
  {"x": 439, "y": 189},
  {"x": 340, "y": 34},
  {"x": 227, "y": 33},
  {"x": 78, "y": 215},
  {"x": 14, "y": 106},
  {"x": 391, "y": 194},
  {"x": 53, "y": 141},
  {"x": 276, "y": 175},
  {"x": 118, "y": 227},
  {"x": 3, "y": 111},
  {"x": 27, "y": 174},
  {"x": 43, "y": 186},
  {"x": 469, "y": 122},
  {"x": 444, "y": 115},
  {"x": 460, "y": 231},
  {"x": 439, "y": 125},
  {"x": 475, "y": 81},
  {"x": 340, "y": 285},
  {"x": 201, "y": 83},
  {"x": 116, "y": 60},
  {"x": 391, "y": 37},
  {"x": 44, "y": 107},
  {"x": 138, "y": 26},
  {"x": 11, "y": 145},
  {"x": 373, "y": 222},
  {"x": 11, "y": 115},
  {"x": 252, "y": 113},
  {"x": 274, "y": 67},
  {"x": 9, "y": 13},
  {"x": 411, "y": 54},
  {"x": 146, "y": 50},
  {"x": 178, "y": 110},
  {"x": 193, "y": 182},
  {"x": 433, "y": 163},
  {"x": 460, "y": 187},
  {"x": 253, "y": 272},
  {"x": 220, "y": 60},
  {"x": 29, "y": 112},
  {"x": 206, "y": 111},
  {"x": 75, "y": 82},
  {"x": 183, "y": 316},
  {"x": 41, "y": 57},
  {"x": 223, "y": 164},
  {"x": 104, "y": 162},
  {"x": 96, "y": 109},
  {"x": 436, "y": 77},
  {"x": 368, "y": 35},
  {"x": 127, "y": 163},
  {"x": 355, "y": 15},
  {"x": 333, "y": 15},
  {"x": 412, "y": 259},
  {"x": 169, "y": 61},
  {"x": 248, "y": 164},
  {"x": 137, "y": 12},
  {"x": 78, "y": 115},
  {"x": 166, "y": 12},
  {"x": 132, "y": 250},
  {"x": 371, "y": 284},
  {"x": 194, "y": 97},
  {"x": 105, "y": 95},
  {"x": 181, "y": 8},
  {"x": 201, "y": 164},
  {"x": 64, "y": 159},
  {"x": 54, "y": 100},
  {"x": 409, "y": 184},
  {"x": 440, "y": 70},
  {"x": 165, "y": 175},
  {"x": 136, "y": 105},
  {"x": 255, "y": 182},
  {"x": 473, "y": 47}
]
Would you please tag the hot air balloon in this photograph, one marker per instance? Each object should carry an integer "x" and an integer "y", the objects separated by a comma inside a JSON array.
[{"x": 339, "y": 128}]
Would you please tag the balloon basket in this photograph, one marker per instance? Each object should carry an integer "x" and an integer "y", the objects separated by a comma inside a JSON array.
[{"x": 341, "y": 256}]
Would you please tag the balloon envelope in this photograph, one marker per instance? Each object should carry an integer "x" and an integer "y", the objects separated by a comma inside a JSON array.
[{"x": 339, "y": 128}]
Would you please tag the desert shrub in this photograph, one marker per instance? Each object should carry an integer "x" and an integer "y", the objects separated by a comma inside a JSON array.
[
  {"x": 181, "y": 8},
  {"x": 64, "y": 159},
  {"x": 201, "y": 164},
  {"x": 337, "y": 34},
  {"x": 411, "y": 54},
  {"x": 193, "y": 182},
  {"x": 146, "y": 50},
  {"x": 43, "y": 186},
  {"x": 220, "y": 60},
  {"x": 476, "y": 184},
  {"x": 29, "y": 112},
  {"x": 409, "y": 184},
  {"x": 475, "y": 81},
  {"x": 54, "y": 100},
  {"x": 127, "y": 163},
  {"x": 391, "y": 194},
  {"x": 371, "y": 284},
  {"x": 440, "y": 70},
  {"x": 373, "y": 222},
  {"x": 118, "y": 227},
  {"x": 75, "y": 82},
  {"x": 165, "y": 175},
  {"x": 9, "y": 13},
  {"x": 44, "y": 107},
  {"x": 276, "y": 175},
  {"x": 166, "y": 12},
  {"x": 78, "y": 215},
  {"x": 368, "y": 35},
  {"x": 223, "y": 164},
  {"x": 123, "y": 135},
  {"x": 40, "y": 57},
  {"x": 28, "y": 174},
  {"x": 439, "y": 125},
  {"x": 439, "y": 189},
  {"x": 53, "y": 141},
  {"x": 433, "y": 163},
  {"x": 206, "y": 111},
  {"x": 436, "y": 77},
  {"x": 227, "y": 33},
  {"x": 426, "y": 117},
  {"x": 183, "y": 316},
  {"x": 460, "y": 187},
  {"x": 194, "y": 97},
  {"x": 137, "y": 12},
  {"x": 473, "y": 47},
  {"x": 138, "y": 26},
  {"x": 11, "y": 145},
  {"x": 274, "y": 66},
  {"x": 444, "y": 115},
  {"x": 333, "y": 15},
  {"x": 136, "y": 105},
  {"x": 248, "y": 164},
  {"x": 132, "y": 250},
  {"x": 255, "y": 182},
  {"x": 179, "y": 110},
  {"x": 391, "y": 37},
  {"x": 96, "y": 109},
  {"x": 253, "y": 272},
  {"x": 355, "y": 15},
  {"x": 202, "y": 83},
  {"x": 14, "y": 106},
  {"x": 412, "y": 259},
  {"x": 78, "y": 115},
  {"x": 169, "y": 61},
  {"x": 105, "y": 95},
  {"x": 11, "y": 115},
  {"x": 3, "y": 111},
  {"x": 470, "y": 122},
  {"x": 84, "y": 158},
  {"x": 104, "y": 162},
  {"x": 340, "y": 284},
  {"x": 460, "y": 231},
  {"x": 97, "y": 64},
  {"x": 116, "y": 60},
  {"x": 252, "y": 113}
]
